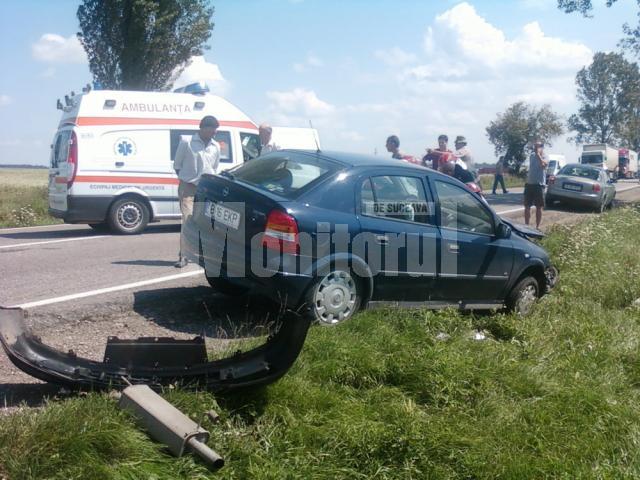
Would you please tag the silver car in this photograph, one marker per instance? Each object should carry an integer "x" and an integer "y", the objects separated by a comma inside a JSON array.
[{"x": 581, "y": 184}]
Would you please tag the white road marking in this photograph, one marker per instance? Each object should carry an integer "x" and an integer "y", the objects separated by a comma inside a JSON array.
[
  {"x": 102, "y": 291},
  {"x": 74, "y": 239},
  {"x": 519, "y": 209},
  {"x": 628, "y": 188},
  {"x": 13, "y": 229}
]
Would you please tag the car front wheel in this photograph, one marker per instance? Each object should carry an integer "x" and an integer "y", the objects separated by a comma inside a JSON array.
[
  {"x": 523, "y": 296},
  {"x": 334, "y": 298}
]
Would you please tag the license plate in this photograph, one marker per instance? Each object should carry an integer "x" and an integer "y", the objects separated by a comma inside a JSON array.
[
  {"x": 572, "y": 186},
  {"x": 221, "y": 214}
]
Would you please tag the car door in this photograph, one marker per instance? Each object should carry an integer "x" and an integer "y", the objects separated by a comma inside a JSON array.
[
  {"x": 474, "y": 264},
  {"x": 398, "y": 229}
]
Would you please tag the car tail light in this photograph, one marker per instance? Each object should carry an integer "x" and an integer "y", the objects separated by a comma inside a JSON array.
[
  {"x": 552, "y": 179},
  {"x": 281, "y": 232},
  {"x": 72, "y": 159},
  {"x": 596, "y": 187}
]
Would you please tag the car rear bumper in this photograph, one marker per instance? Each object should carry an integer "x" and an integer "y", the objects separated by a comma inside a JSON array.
[
  {"x": 574, "y": 197},
  {"x": 83, "y": 209},
  {"x": 277, "y": 276}
]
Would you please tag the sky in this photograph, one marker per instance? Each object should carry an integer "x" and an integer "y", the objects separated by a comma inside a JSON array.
[{"x": 359, "y": 70}]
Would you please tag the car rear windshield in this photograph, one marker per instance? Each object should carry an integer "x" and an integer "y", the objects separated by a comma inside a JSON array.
[
  {"x": 286, "y": 176},
  {"x": 583, "y": 172}
]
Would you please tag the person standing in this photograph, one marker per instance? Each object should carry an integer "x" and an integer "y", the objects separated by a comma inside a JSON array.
[
  {"x": 393, "y": 147},
  {"x": 499, "y": 178},
  {"x": 267, "y": 144},
  {"x": 199, "y": 155},
  {"x": 534, "y": 187},
  {"x": 436, "y": 157},
  {"x": 463, "y": 155}
]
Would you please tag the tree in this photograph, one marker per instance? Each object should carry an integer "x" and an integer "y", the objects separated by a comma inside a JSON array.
[
  {"x": 607, "y": 90},
  {"x": 632, "y": 40},
  {"x": 142, "y": 44},
  {"x": 514, "y": 132}
]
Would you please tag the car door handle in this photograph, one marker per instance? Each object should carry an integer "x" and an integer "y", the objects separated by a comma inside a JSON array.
[
  {"x": 382, "y": 239},
  {"x": 453, "y": 248},
  {"x": 119, "y": 164}
]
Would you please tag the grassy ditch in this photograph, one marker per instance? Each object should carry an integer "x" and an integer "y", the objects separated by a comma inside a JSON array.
[
  {"x": 510, "y": 181},
  {"x": 23, "y": 198},
  {"x": 407, "y": 394}
]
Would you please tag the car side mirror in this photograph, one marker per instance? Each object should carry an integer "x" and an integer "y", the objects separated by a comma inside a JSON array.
[{"x": 503, "y": 231}]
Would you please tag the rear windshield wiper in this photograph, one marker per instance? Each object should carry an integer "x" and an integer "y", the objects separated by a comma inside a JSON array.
[{"x": 228, "y": 174}]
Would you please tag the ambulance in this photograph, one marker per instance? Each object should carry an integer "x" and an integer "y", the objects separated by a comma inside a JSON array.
[{"x": 112, "y": 156}]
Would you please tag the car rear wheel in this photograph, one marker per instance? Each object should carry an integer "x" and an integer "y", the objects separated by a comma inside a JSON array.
[
  {"x": 226, "y": 287},
  {"x": 549, "y": 202},
  {"x": 334, "y": 298},
  {"x": 128, "y": 216},
  {"x": 602, "y": 206},
  {"x": 523, "y": 296}
]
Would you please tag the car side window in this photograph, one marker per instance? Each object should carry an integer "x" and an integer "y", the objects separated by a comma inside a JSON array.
[
  {"x": 395, "y": 197},
  {"x": 460, "y": 210},
  {"x": 250, "y": 145}
]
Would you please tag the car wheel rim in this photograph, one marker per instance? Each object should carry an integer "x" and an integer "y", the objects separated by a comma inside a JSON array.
[
  {"x": 129, "y": 216},
  {"x": 527, "y": 297},
  {"x": 335, "y": 298}
]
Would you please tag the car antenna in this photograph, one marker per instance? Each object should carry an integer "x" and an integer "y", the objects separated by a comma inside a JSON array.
[{"x": 315, "y": 138}]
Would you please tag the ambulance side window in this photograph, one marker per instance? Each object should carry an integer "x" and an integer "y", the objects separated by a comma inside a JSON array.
[
  {"x": 250, "y": 145},
  {"x": 60, "y": 148},
  {"x": 223, "y": 138}
]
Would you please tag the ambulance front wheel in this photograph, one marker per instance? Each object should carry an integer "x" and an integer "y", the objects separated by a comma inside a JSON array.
[{"x": 128, "y": 216}]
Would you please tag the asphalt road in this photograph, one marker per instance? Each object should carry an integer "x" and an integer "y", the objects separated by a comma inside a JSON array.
[{"x": 42, "y": 265}]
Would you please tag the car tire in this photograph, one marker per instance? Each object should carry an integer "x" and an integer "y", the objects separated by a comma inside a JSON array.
[
  {"x": 128, "y": 216},
  {"x": 226, "y": 287},
  {"x": 334, "y": 298},
  {"x": 601, "y": 206},
  {"x": 523, "y": 296}
]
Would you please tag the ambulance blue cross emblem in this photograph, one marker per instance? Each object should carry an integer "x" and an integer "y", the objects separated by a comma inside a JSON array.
[{"x": 125, "y": 148}]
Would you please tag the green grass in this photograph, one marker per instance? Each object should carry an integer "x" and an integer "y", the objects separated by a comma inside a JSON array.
[
  {"x": 23, "y": 197},
  {"x": 510, "y": 181},
  {"x": 553, "y": 395}
]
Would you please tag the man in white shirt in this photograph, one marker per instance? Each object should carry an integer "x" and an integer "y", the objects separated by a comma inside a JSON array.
[
  {"x": 201, "y": 154},
  {"x": 266, "y": 142}
]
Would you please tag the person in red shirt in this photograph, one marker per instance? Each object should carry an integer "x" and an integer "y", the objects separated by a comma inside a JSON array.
[{"x": 438, "y": 156}]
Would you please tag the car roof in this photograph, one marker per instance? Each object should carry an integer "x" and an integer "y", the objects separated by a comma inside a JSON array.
[
  {"x": 583, "y": 165},
  {"x": 358, "y": 159}
]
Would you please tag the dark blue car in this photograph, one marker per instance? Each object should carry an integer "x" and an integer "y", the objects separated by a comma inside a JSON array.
[{"x": 328, "y": 233}]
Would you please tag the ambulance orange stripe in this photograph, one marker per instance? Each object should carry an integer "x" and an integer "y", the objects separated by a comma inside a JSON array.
[
  {"x": 92, "y": 121},
  {"x": 120, "y": 179}
]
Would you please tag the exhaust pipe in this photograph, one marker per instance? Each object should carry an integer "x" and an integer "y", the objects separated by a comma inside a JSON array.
[{"x": 166, "y": 424}]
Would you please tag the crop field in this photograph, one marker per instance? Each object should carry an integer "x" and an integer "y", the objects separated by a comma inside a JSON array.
[
  {"x": 406, "y": 394},
  {"x": 23, "y": 197}
]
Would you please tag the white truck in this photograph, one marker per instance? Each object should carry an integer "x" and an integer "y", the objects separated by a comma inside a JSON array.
[
  {"x": 112, "y": 157},
  {"x": 600, "y": 155},
  {"x": 627, "y": 163}
]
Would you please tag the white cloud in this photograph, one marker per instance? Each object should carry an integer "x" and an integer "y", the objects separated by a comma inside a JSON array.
[
  {"x": 199, "y": 70},
  {"x": 53, "y": 48},
  {"x": 462, "y": 33},
  {"x": 300, "y": 101},
  {"x": 4, "y": 100},
  {"x": 310, "y": 62},
  {"x": 395, "y": 56}
]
